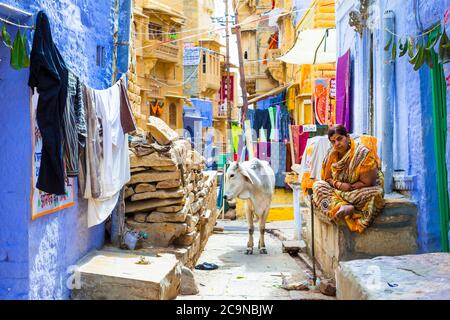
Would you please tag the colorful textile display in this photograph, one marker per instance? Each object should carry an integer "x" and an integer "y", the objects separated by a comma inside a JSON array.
[
  {"x": 300, "y": 140},
  {"x": 324, "y": 114},
  {"x": 343, "y": 91}
]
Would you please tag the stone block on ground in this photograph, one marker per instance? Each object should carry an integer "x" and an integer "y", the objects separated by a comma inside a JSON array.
[
  {"x": 146, "y": 205},
  {"x": 145, "y": 187},
  {"x": 159, "y": 194},
  {"x": 140, "y": 217},
  {"x": 128, "y": 192},
  {"x": 328, "y": 287},
  {"x": 165, "y": 168},
  {"x": 151, "y": 160},
  {"x": 108, "y": 275},
  {"x": 192, "y": 221},
  {"x": 160, "y": 234},
  {"x": 169, "y": 209},
  {"x": 156, "y": 216},
  {"x": 168, "y": 184},
  {"x": 160, "y": 131},
  {"x": 153, "y": 176},
  {"x": 138, "y": 169},
  {"x": 186, "y": 239},
  {"x": 188, "y": 284}
]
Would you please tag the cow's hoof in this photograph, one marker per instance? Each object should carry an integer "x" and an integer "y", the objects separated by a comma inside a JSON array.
[
  {"x": 263, "y": 251},
  {"x": 249, "y": 251}
]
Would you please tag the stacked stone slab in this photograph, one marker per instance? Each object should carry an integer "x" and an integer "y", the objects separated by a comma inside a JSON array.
[{"x": 168, "y": 194}]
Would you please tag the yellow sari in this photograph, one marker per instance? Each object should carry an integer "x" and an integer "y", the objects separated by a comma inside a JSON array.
[{"x": 368, "y": 202}]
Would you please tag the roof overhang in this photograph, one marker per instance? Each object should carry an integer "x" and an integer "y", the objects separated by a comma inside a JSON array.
[
  {"x": 313, "y": 46},
  {"x": 174, "y": 96},
  {"x": 160, "y": 7}
]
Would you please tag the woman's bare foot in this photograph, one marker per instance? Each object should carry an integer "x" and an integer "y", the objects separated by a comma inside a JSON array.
[{"x": 345, "y": 210}]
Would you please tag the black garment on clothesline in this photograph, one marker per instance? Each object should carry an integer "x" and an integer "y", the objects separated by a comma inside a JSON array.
[
  {"x": 49, "y": 74},
  {"x": 262, "y": 121}
]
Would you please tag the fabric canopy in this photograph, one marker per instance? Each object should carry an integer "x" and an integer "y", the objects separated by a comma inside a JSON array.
[{"x": 308, "y": 41}]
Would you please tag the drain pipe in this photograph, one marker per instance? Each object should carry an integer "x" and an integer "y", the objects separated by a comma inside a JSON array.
[{"x": 387, "y": 110}]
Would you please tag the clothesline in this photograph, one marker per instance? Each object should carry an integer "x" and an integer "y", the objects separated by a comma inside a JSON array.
[
  {"x": 16, "y": 25},
  {"x": 420, "y": 35}
]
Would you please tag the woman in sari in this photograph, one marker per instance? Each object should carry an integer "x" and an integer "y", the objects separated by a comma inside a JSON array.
[{"x": 352, "y": 183}]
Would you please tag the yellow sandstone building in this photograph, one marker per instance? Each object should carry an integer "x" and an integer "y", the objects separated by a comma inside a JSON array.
[{"x": 156, "y": 69}]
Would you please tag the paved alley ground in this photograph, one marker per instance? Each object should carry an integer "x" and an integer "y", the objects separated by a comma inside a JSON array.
[{"x": 247, "y": 277}]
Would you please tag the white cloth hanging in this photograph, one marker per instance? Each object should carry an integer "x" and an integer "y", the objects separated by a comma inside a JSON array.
[{"x": 114, "y": 164}]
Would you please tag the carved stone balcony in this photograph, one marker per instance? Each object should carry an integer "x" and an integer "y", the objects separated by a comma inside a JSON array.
[
  {"x": 275, "y": 67},
  {"x": 166, "y": 52}
]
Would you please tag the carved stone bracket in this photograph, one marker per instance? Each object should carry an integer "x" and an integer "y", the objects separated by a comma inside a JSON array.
[{"x": 358, "y": 18}]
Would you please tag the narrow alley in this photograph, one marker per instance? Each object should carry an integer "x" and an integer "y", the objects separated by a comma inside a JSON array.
[
  {"x": 143, "y": 141},
  {"x": 251, "y": 277}
]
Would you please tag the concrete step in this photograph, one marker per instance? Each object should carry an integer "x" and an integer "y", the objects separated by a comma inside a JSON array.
[
  {"x": 107, "y": 275},
  {"x": 408, "y": 277}
]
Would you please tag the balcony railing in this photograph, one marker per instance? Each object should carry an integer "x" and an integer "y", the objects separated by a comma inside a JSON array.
[{"x": 163, "y": 51}]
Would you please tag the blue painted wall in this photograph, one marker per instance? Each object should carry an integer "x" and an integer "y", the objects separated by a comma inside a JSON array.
[
  {"x": 413, "y": 135},
  {"x": 35, "y": 255}
]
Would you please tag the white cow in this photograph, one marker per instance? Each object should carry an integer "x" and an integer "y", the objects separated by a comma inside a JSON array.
[{"x": 253, "y": 181}]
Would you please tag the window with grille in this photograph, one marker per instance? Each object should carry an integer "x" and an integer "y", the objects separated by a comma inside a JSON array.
[
  {"x": 204, "y": 62},
  {"x": 155, "y": 31}
]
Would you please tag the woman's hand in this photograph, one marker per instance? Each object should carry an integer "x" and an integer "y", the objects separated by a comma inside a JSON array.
[{"x": 344, "y": 186}]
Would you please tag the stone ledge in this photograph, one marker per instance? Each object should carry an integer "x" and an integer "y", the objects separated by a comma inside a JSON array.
[
  {"x": 408, "y": 277},
  {"x": 394, "y": 232}
]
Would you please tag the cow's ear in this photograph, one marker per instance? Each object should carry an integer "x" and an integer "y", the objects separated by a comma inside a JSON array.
[{"x": 246, "y": 175}]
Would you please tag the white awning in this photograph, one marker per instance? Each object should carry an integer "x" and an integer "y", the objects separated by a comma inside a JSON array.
[{"x": 314, "y": 46}]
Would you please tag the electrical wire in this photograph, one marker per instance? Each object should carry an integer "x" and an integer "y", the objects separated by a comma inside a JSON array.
[
  {"x": 215, "y": 30},
  {"x": 181, "y": 83}
]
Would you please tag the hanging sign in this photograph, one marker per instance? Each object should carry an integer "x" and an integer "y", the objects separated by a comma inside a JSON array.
[
  {"x": 43, "y": 203},
  {"x": 309, "y": 128}
]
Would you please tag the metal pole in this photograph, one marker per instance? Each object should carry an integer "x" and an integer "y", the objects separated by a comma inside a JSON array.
[
  {"x": 227, "y": 62},
  {"x": 241, "y": 66},
  {"x": 387, "y": 106},
  {"x": 310, "y": 192}
]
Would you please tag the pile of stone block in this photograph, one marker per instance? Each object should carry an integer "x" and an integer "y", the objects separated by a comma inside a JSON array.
[{"x": 168, "y": 195}]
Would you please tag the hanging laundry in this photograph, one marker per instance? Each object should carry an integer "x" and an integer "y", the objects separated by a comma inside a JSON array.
[
  {"x": 284, "y": 120},
  {"x": 236, "y": 133},
  {"x": 264, "y": 151},
  {"x": 323, "y": 112},
  {"x": 126, "y": 114},
  {"x": 300, "y": 140},
  {"x": 49, "y": 75},
  {"x": 273, "y": 123},
  {"x": 262, "y": 124},
  {"x": 250, "y": 116},
  {"x": 343, "y": 91},
  {"x": 278, "y": 162},
  {"x": 113, "y": 164}
]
